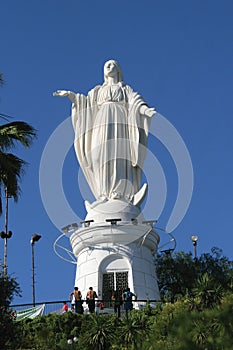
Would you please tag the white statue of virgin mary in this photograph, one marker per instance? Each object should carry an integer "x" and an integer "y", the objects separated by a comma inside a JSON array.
[{"x": 111, "y": 127}]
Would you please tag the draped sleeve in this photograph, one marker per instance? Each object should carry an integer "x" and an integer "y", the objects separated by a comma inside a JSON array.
[
  {"x": 138, "y": 127},
  {"x": 84, "y": 109}
]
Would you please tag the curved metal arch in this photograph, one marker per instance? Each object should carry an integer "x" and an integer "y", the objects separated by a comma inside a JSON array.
[
  {"x": 72, "y": 259},
  {"x": 171, "y": 240}
]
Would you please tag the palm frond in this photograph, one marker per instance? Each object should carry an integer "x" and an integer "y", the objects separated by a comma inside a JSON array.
[
  {"x": 11, "y": 170},
  {"x": 16, "y": 131},
  {"x": 5, "y": 117}
]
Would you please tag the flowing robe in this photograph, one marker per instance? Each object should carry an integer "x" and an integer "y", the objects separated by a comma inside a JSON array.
[{"x": 110, "y": 139}]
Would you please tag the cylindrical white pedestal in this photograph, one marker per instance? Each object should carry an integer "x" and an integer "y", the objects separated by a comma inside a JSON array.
[{"x": 119, "y": 254}]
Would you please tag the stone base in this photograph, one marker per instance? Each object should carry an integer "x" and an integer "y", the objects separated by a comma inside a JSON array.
[{"x": 104, "y": 209}]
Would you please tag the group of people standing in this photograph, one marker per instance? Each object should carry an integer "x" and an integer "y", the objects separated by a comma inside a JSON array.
[
  {"x": 118, "y": 299},
  {"x": 77, "y": 302},
  {"x": 125, "y": 298}
]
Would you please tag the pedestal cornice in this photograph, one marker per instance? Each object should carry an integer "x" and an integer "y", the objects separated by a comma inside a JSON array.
[{"x": 120, "y": 234}]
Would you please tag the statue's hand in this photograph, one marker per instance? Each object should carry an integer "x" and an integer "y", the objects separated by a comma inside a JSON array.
[
  {"x": 61, "y": 93},
  {"x": 150, "y": 112}
]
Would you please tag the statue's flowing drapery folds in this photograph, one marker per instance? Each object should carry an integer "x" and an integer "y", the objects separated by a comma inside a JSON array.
[{"x": 110, "y": 139}]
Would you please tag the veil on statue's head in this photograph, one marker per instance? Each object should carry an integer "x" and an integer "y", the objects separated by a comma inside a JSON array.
[{"x": 120, "y": 75}]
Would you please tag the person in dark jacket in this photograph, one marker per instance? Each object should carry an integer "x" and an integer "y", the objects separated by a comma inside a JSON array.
[{"x": 117, "y": 302}]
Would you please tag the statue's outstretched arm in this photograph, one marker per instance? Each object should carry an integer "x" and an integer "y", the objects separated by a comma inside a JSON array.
[
  {"x": 62, "y": 93},
  {"x": 147, "y": 111}
]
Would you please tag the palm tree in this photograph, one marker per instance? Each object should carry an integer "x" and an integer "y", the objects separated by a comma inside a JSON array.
[
  {"x": 135, "y": 330},
  {"x": 11, "y": 167},
  {"x": 101, "y": 331}
]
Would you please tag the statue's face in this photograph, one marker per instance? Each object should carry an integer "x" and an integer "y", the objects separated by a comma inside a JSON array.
[{"x": 110, "y": 69}]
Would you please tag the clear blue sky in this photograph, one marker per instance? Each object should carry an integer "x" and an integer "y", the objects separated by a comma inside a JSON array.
[{"x": 177, "y": 54}]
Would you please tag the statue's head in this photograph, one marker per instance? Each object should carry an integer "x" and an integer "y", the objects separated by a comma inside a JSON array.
[{"x": 112, "y": 67}]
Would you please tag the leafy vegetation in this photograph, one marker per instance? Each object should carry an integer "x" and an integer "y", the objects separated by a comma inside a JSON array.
[
  {"x": 195, "y": 315},
  {"x": 172, "y": 326},
  {"x": 180, "y": 275},
  {"x": 8, "y": 288}
]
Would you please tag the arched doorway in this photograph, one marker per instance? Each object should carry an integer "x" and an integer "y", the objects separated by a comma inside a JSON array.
[{"x": 114, "y": 274}]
